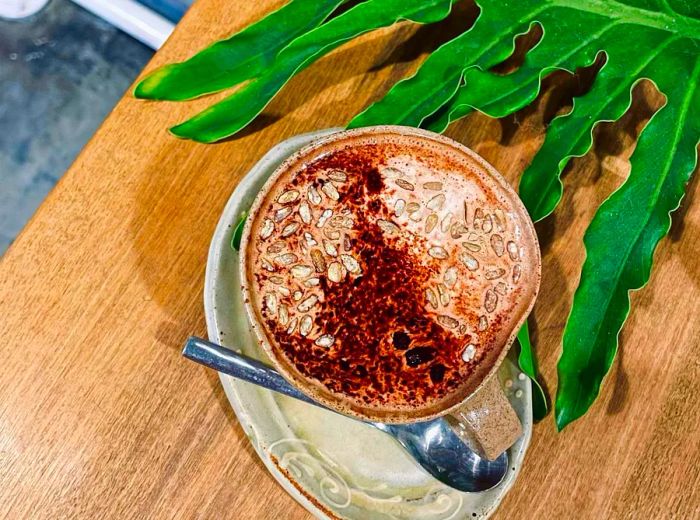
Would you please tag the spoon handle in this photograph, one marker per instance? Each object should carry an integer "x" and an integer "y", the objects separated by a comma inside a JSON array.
[{"x": 241, "y": 367}]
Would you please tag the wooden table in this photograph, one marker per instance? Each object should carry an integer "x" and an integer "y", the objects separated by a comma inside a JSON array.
[{"x": 101, "y": 417}]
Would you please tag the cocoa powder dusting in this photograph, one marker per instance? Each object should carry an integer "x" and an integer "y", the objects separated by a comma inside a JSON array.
[{"x": 387, "y": 348}]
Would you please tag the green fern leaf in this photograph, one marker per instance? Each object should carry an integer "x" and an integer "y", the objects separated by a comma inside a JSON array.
[
  {"x": 235, "y": 112},
  {"x": 621, "y": 239},
  {"x": 241, "y": 57},
  {"x": 528, "y": 365}
]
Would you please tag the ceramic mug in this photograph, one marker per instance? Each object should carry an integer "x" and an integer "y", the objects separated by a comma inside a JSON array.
[{"x": 321, "y": 291}]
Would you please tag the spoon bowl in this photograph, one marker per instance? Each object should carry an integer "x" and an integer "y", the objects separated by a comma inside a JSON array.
[
  {"x": 433, "y": 444},
  {"x": 439, "y": 451}
]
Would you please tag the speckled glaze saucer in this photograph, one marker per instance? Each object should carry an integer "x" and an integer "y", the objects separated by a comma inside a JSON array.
[{"x": 334, "y": 466}]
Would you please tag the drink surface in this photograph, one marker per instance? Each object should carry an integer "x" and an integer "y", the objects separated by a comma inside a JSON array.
[{"x": 389, "y": 271}]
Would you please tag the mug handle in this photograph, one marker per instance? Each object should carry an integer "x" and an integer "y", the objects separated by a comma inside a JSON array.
[{"x": 486, "y": 421}]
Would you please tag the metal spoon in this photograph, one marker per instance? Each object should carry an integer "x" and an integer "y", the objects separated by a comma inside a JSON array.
[{"x": 432, "y": 444}]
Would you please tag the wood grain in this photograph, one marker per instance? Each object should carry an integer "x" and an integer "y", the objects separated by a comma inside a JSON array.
[{"x": 99, "y": 415}]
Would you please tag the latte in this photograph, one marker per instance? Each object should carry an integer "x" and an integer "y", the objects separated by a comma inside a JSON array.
[{"x": 387, "y": 271}]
